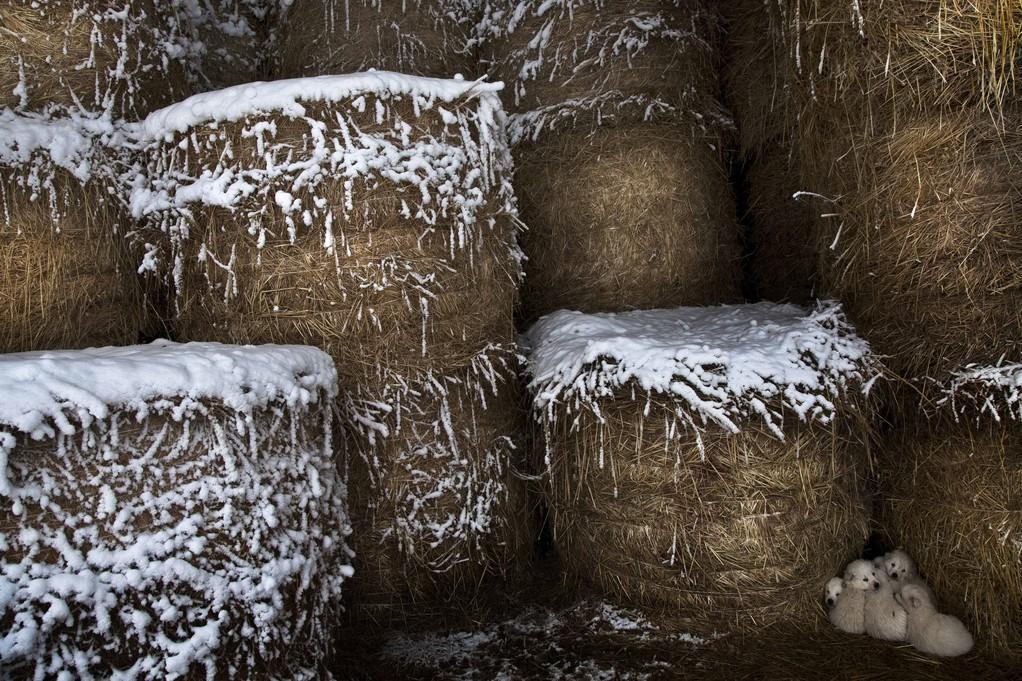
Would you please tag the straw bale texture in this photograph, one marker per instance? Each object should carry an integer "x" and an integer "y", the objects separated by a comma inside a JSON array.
[
  {"x": 100, "y": 55},
  {"x": 739, "y": 538},
  {"x": 187, "y": 540},
  {"x": 926, "y": 253},
  {"x": 421, "y": 37},
  {"x": 629, "y": 217},
  {"x": 66, "y": 277},
  {"x": 950, "y": 496}
]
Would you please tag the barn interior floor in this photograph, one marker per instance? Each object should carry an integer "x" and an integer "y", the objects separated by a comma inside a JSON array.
[{"x": 546, "y": 632}]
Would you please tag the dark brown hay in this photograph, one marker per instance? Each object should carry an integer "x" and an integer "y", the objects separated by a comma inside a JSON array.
[
  {"x": 783, "y": 231},
  {"x": 100, "y": 55},
  {"x": 926, "y": 254},
  {"x": 952, "y": 497},
  {"x": 421, "y": 37},
  {"x": 640, "y": 216},
  {"x": 654, "y": 50},
  {"x": 740, "y": 538},
  {"x": 66, "y": 279}
]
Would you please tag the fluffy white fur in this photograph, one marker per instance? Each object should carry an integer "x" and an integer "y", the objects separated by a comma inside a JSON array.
[
  {"x": 884, "y": 617},
  {"x": 930, "y": 631},
  {"x": 848, "y": 613},
  {"x": 833, "y": 591},
  {"x": 900, "y": 567}
]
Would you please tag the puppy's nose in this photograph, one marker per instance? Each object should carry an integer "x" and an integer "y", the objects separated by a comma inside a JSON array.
[
  {"x": 830, "y": 601},
  {"x": 876, "y": 586},
  {"x": 894, "y": 576}
]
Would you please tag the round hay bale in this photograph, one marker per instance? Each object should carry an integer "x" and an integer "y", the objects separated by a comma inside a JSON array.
[
  {"x": 784, "y": 231},
  {"x": 372, "y": 216},
  {"x": 710, "y": 460},
  {"x": 170, "y": 511},
  {"x": 434, "y": 469},
  {"x": 925, "y": 254},
  {"x": 120, "y": 56},
  {"x": 950, "y": 497},
  {"x": 658, "y": 54},
  {"x": 66, "y": 277},
  {"x": 422, "y": 37},
  {"x": 627, "y": 217}
]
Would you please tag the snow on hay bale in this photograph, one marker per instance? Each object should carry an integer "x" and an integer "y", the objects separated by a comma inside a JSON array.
[
  {"x": 708, "y": 459},
  {"x": 950, "y": 497},
  {"x": 421, "y": 37},
  {"x": 66, "y": 279},
  {"x": 170, "y": 511},
  {"x": 618, "y": 136},
  {"x": 123, "y": 56},
  {"x": 371, "y": 215}
]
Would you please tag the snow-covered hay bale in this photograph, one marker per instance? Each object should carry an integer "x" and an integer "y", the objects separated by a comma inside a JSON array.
[
  {"x": 626, "y": 217},
  {"x": 950, "y": 497},
  {"x": 228, "y": 42},
  {"x": 170, "y": 511},
  {"x": 925, "y": 247},
  {"x": 421, "y": 37},
  {"x": 706, "y": 459},
  {"x": 117, "y": 55},
  {"x": 433, "y": 476},
  {"x": 603, "y": 59},
  {"x": 66, "y": 278},
  {"x": 372, "y": 216}
]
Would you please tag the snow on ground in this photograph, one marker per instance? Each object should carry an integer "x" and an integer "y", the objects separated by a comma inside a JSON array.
[
  {"x": 725, "y": 364},
  {"x": 540, "y": 643}
]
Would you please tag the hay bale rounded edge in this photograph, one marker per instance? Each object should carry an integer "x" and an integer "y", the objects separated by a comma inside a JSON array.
[
  {"x": 709, "y": 460},
  {"x": 169, "y": 511}
]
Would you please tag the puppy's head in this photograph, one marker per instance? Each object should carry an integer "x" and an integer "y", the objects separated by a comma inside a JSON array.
[
  {"x": 914, "y": 598},
  {"x": 834, "y": 588},
  {"x": 899, "y": 565},
  {"x": 862, "y": 575}
]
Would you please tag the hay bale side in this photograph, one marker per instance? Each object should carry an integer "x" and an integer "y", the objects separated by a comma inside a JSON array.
[
  {"x": 784, "y": 231},
  {"x": 423, "y": 37},
  {"x": 377, "y": 223},
  {"x": 925, "y": 253},
  {"x": 67, "y": 279},
  {"x": 686, "y": 465},
  {"x": 627, "y": 217},
  {"x": 122, "y": 57},
  {"x": 229, "y": 42},
  {"x": 950, "y": 497},
  {"x": 165, "y": 515},
  {"x": 733, "y": 530}
]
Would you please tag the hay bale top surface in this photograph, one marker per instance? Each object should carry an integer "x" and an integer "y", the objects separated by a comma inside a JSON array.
[
  {"x": 994, "y": 391},
  {"x": 723, "y": 364},
  {"x": 67, "y": 142},
  {"x": 43, "y": 391},
  {"x": 286, "y": 96}
]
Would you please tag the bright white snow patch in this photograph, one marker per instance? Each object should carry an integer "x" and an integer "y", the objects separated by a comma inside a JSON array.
[
  {"x": 992, "y": 390},
  {"x": 42, "y": 393},
  {"x": 723, "y": 364}
]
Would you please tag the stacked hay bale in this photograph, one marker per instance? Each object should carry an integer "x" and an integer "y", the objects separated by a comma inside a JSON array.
[
  {"x": 370, "y": 215},
  {"x": 707, "y": 459},
  {"x": 620, "y": 146},
  {"x": 170, "y": 511},
  {"x": 421, "y": 37},
  {"x": 951, "y": 499},
  {"x": 907, "y": 141},
  {"x": 66, "y": 278}
]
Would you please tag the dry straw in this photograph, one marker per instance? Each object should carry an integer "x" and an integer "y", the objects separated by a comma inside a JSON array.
[
  {"x": 380, "y": 227},
  {"x": 421, "y": 37},
  {"x": 627, "y": 217},
  {"x": 124, "y": 57}
]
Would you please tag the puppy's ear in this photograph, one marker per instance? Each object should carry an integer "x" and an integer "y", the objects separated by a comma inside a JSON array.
[{"x": 914, "y": 602}]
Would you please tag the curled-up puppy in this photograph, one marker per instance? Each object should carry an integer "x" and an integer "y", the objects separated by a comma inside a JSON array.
[
  {"x": 900, "y": 567},
  {"x": 848, "y": 612},
  {"x": 884, "y": 617},
  {"x": 930, "y": 631}
]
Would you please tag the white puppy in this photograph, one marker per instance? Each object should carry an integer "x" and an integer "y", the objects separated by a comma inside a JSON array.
[
  {"x": 900, "y": 567},
  {"x": 930, "y": 631},
  {"x": 884, "y": 617},
  {"x": 848, "y": 613}
]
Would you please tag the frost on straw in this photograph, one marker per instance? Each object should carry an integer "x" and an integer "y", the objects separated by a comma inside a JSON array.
[{"x": 174, "y": 511}]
